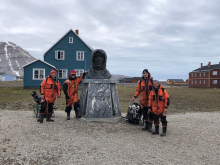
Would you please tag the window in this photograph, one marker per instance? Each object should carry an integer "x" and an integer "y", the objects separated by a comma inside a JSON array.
[
  {"x": 79, "y": 72},
  {"x": 80, "y": 55},
  {"x": 38, "y": 74},
  {"x": 203, "y": 81},
  {"x": 200, "y": 74},
  {"x": 195, "y": 81},
  {"x": 62, "y": 73},
  {"x": 204, "y": 74},
  {"x": 70, "y": 39},
  {"x": 195, "y": 74},
  {"x": 200, "y": 82},
  {"x": 192, "y": 81},
  {"x": 214, "y": 81},
  {"x": 59, "y": 55},
  {"x": 214, "y": 73},
  {"x": 192, "y": 74}
]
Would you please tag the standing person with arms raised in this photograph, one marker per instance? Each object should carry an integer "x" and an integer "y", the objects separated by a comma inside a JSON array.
[
  {"x": 143, "y": 89},
  {"x": 49, "y": 89},
  {"x": 70, "y": 89}
]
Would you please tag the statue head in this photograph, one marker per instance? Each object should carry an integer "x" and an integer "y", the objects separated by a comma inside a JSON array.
[
  {"x": 98, "y": 68},
  {"x": 98, "y": 59}
]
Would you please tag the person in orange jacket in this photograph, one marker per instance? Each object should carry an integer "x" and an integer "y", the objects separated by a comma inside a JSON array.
[
  {"x": 143, "y": 89},
  {"x": 157, "y": 108},
  {"x": 70, "y": 88},
  {"x": 50, "y": 89}
]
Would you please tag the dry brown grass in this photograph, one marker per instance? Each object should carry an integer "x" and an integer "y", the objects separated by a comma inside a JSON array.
[{"x": 182, "y": 99}]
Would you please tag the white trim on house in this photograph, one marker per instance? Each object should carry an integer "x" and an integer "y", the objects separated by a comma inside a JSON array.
[
  {"x": 64, "y": 36},
  {"x": 62, "y": 73},
  {"x": 79, "y": 72},
  {"x": 70, "y": 40},
  {"x": 56, "y": 54},
  {"x": 80, "y": 57},
  {"x": 33, "y": 78},
  {"x": 41, "y": 61}
]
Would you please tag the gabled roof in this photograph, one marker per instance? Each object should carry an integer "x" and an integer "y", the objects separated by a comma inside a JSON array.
[
  {"x": 41, "y": 61},
  {"x": 64, "y": 36},
  {"x": 1, "y": 73},
  {"x": 206, "y": 69},
  {"x": 176, "y": 80}
]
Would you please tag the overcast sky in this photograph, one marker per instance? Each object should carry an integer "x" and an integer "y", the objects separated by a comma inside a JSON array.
[{"x": 168, "y": 37}]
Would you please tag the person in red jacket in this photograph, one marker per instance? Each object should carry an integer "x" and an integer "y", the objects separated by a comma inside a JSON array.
[
  {"x": 49, "y": 89},
  {"x": 157, "y": 108},
  {"x": 70, "y": 88},
  {"x": 143, "y": 89}
]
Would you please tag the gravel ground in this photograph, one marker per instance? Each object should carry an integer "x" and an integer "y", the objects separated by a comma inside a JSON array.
[{"x": 192, "y": 138}]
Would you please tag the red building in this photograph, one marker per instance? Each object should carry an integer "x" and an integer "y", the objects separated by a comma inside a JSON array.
[{"x": 205, "y": 76}]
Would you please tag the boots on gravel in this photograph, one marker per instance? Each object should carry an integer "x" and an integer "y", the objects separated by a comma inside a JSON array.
[
  {"x": 156, "y": 130},
  {"x": 49, "y": 118},
  {"x": 145, "y": 126},
  {"x": 164, "y": 131},
  {"x": 150, "y": 127},
  {"x": 41, "y": 119},
  {"x": 68, "y": 115}
]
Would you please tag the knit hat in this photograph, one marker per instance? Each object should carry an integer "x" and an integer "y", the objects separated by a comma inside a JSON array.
[
  {"x": 72, "y": 72},
  {"x": 53, "y": 71},
  {"x": 145, "y": 70}
]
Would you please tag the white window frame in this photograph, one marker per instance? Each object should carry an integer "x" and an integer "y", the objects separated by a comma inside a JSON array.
[
  {"x": 195, "y": 81},
  {"x": 200, "y": 82},
  {"x": 214, "y": 81},
  {"x": 214, "y": 72},
  {"x": 192, "y": 74},
  {"x": 79, "y": 72},
  {"x": 203, "y": 81},
  {"x": 204, "y": 74},
  {"x": 200, "y": 74},
  {"x": 63, "y": 77},
  {"x": 38, "y": 73},
  {"x": 195, "y": 74},
  {"x": 81, "y": 56},
  {"x": 70, "y": 40},
  {"x": 56, "y": 54},
  {"x": 192, "y": 81}
]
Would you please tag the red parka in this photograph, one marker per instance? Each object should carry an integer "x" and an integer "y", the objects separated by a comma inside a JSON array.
[{"x": 157, "y": 102}]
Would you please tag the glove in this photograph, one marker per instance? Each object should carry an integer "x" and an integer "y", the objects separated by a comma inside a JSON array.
[{"x": 67, "y": 97}]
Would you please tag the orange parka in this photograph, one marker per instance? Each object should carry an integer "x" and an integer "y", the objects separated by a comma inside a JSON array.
[
  {"x": 157, "y": 102},
  {"x": 143, "y": 90},
  {"x": 50, "y": 88},
  {"x": 70, "y": 88}
]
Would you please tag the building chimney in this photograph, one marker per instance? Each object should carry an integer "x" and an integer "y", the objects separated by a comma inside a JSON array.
[
  {"x": 201, "y": 65},
  {"x": 209, "y": 64},
  {"x": 77, "y": 32}
]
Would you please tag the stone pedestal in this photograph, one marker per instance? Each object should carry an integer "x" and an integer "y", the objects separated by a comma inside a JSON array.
[{"x": 99, "y": 99}]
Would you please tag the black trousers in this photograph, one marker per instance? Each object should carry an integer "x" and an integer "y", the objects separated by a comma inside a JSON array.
[
  {"x": 145, "y": 113},
  {"x": 69, "y": 108},
  {"x": 44, "y": 107},
  {"x": 155, "y": 118}
]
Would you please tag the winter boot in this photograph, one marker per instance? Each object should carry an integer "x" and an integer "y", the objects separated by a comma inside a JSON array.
[
  {"x": 68, "y": 116},
  {"x": 156, "y": 130},
  {"x": 150, "y": 126},
  {"x": 164, "y": 131},
  {"x": 146, "y": 126},
  {"x": 48, "y": 118},
  {"x": 41, "y": 118}
]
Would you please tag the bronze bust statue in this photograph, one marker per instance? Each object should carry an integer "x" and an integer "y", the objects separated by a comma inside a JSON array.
[{"x": 98, "y": 68}]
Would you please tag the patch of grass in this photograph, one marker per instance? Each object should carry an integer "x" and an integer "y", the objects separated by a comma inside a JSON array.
[{"x": 182, "y": 99}]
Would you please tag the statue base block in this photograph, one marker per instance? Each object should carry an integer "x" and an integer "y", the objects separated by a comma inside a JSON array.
[{"x": 99, "y": 99}]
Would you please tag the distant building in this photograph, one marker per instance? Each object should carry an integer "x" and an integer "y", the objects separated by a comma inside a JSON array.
[
  {"x": 205, "y": 76},
  {"x": 176, "y": 81},
  {"x": 7, "y": 77},
  {"x": 136, "y": 79}
]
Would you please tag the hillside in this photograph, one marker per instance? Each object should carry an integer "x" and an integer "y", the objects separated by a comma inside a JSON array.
[{"x": 12, "y": 58}]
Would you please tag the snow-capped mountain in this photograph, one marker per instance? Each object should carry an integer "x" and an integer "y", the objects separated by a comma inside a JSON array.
[{"x": 12, "y": 58}]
